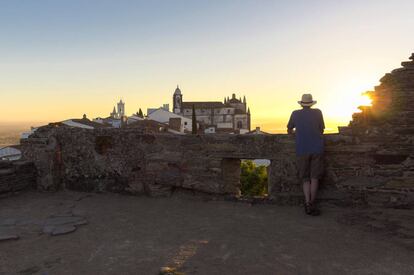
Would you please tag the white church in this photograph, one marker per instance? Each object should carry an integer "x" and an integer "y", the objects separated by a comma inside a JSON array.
[{"x": 231, "y": 116}]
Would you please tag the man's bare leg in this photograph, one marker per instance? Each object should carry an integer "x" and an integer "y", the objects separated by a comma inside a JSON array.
[
  {"x": 307, "y": 191},
  {"x": 313, "y": 189}
]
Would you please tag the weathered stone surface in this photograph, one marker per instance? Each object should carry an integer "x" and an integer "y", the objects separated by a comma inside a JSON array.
[
  {"x": 65, "y": 220},
  {"x": 138, "y": 236},
  {"x": 148, "y": 164},
  {"x": 8, "y": 222},
  {"x": 16, "y": 176},
  {"x": 62, "y": 224},
  {"x": 48, "y": 229},
  {"x": 8, "y": 237},
  {"x": 213, "y": 166},
  {"x": 64, "y": 229}
]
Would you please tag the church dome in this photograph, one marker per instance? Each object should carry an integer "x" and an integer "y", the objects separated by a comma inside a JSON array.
[{"x": 177, "y": 91}]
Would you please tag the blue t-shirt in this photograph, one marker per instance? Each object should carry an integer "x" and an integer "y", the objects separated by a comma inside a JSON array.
[{"x": 309, "y": 129}]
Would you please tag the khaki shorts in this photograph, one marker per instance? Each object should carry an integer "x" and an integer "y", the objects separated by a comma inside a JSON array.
[{"x": 310, "y": 166}]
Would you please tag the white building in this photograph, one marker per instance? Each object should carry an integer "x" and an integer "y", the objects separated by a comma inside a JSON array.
[
  {"x": 257, "y": 131},
  {"x": 84, "y": 123},
  {"x": 73, "y": 123},
  {"x": 133, "y": 119},
  {"x": 25, "y": 135},
  {"x": 10, "y": 153},
  {"x": 163, "y": 116},
  {"x": 210, "y": 130},
  {"x": 116, "y": 118}
]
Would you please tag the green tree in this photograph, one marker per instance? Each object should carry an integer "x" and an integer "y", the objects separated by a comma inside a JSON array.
[
  {"x": 140, "y": 113},
  {"x": 253, "y": 179},
  {"x": 194, "y": 122}
]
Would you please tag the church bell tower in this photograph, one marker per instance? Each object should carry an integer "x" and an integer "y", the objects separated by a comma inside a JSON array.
[
  {"x": 177, "y": 101},
  {"x": 121, "y": 108}
]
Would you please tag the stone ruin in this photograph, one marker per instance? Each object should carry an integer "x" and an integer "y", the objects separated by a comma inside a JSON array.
[
  {"x": 392, "y": 110},
  {"x": 16, "y": 176},
  {"x": 370, "y": 161},
  {"x": 388, "y": 126}
]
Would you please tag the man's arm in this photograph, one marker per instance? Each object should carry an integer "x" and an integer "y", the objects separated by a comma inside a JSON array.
[
  {"x": 291, "y": 125},
  {"x": 322, "y": 123}
]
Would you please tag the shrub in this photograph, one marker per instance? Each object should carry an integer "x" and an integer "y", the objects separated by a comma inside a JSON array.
[{"x": 253, "y": 179}]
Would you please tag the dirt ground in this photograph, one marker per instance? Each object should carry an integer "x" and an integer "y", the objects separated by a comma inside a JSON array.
[{"x": 140, "y": 235}]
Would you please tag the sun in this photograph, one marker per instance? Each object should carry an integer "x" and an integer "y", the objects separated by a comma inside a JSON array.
[
  {"x": 339, "y": 107},
  {"x": 348, "y": 104},
  {"x": 363, "y": 100}
]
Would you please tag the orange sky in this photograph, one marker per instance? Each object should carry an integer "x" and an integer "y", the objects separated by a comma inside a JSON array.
[{"x": 58, "y": 65}]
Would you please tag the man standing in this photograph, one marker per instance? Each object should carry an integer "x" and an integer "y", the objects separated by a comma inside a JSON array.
[{"x": 309, "y": 126}]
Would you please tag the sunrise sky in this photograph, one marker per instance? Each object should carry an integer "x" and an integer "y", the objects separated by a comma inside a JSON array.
[{"x": 61, "y": 59}]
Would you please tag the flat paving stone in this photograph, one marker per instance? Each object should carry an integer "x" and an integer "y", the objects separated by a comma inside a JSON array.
[
  {"x": 64, "y": 220},
  {"x": 59, "y": 225},
  {"x": 68, "y": 214},
  {"x": 48, "y": 229},
  {"x": 61, "y": 230},
  {"x": 28, "y": 221}
]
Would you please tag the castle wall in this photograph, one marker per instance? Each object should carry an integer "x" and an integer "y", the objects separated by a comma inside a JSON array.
[{"x": 125, "y": 160}]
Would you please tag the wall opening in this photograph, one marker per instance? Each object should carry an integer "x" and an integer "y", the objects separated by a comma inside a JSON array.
[{"x": 254, "y": 177}]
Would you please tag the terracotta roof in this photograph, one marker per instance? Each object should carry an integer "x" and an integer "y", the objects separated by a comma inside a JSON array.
[{"x": 203, "y": 105}]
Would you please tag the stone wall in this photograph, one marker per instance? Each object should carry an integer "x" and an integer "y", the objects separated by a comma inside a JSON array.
[
  {"x": 388, "y": 126},
  {"x": 16, "y": 176},
  {"x": 125, "y": 160}
]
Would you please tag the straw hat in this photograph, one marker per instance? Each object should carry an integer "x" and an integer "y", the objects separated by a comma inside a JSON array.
[{"x": 307, "y": 100}]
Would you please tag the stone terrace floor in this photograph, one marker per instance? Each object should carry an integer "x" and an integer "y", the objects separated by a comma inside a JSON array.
[{"x": 139, "y": 235}]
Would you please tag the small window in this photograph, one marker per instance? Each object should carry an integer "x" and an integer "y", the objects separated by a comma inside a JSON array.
[
  {"x": 185, "y": 123},
  {"x": 228, "y": 111}
]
